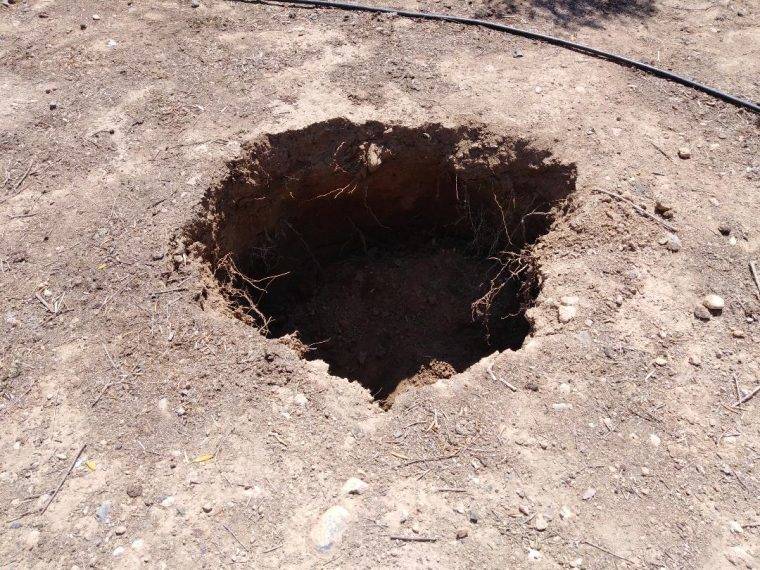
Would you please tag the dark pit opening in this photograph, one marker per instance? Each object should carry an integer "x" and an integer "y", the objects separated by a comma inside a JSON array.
[{"x": 398, "y": 255}]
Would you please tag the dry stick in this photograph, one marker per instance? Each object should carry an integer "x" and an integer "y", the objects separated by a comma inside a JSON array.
[
  {"x": 753, "y": 270},
  {"x": 639, "y": 209},
  {"x": 429, "y": 459},
  {"x": 748, "y": 397},
  {"x": 414, "y": 538},
  {"x": 66, "y": 476},
  {"x": 607, "y": 551},
  {"x": 21, "y": 181},
  {"x": 499, "y": 379}
]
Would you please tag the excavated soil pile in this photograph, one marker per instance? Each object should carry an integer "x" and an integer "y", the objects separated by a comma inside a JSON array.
[{"x": 397, "y": 255}]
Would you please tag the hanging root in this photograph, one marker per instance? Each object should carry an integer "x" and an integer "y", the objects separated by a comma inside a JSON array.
[{"x": 239, "y": 290}]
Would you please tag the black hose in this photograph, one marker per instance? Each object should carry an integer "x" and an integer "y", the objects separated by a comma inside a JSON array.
[{"x": 727, "y": 97}]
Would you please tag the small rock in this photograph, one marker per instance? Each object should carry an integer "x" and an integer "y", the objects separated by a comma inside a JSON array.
[
  {"x": 561, "y": 407},
  {"x": 53, "y": 105},
  {"x": 534, "y": 555},
  {"x": 103, "y": 514},
  {"x": 207, "y": 508},
  {"x": 168, "y": 501},
  {"x": 714, "y": 302},
  {"x": 157, "y": 256},
  {"x": 569, "y": 300},
  {"x": 330, "y": 528},
  {"x": 737, "y": 333},
  {"x": 539, "y": 523},
  {"x": 654, "y": 439},
  {"x": 134, "y": 490},
  {"x": 701, "y": 312},
  {"x": 138, "y": 544},
  {"x": 663, "y": 210},
  {"x": 120, "y": 530},
  {"x": 724, "y": 229},
  {"x": 462, "y": 533},
  {"x": 735, "y": 527},
  {"x": 112, "y": 43},
  {"x": 474, "y": 518},
  {"x": 32, "y": 539},
  {"x": 118, "y": 551},
  {"x": 565, "y": 513},
  {"x": 95, "y": 17},
  {"x": 695, "y": 360},
  {"x": 577, "y": 563},
  {"x": 163, "y": 404},
  {"x": 195, "y": 3},
  {"x": 354, "y": 486},
  {"x": 673, "y": 243},
  {"x": 538, "y": 89},
  {"x": 684, "y": 152},
  {"x": 588, "y": 494},
  {"x": 661, "y": 361},
  {"x": 180, "y": 411},
  {"x": 567, "y": 313}
]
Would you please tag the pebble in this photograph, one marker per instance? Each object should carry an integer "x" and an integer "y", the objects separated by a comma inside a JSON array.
[
  {"x": 540, "y": 524},
  {"x": 462, "y": 533},
  {"x": 565, "y": 513},
  {"x": 684, "y": 152},
  {"x": 32, "y": 539},
  {"x": 577, "y": 563},
  {"x": 713, "y": 302},
  {"x": 569, "y": 300},
  {"x": 701, "y": 312},
  {"x": 663, "y": 210},
  {"x": 95, "y": 17},
  {"x": 354, "y": 486},
  {"x": 567, "y": 313},
  {"x": 53, "y": 105},
  {"x": 163, "y": 404},
  {"x": 695, "y": 360},
  {"x": 138, "y": 544},
  {"x": 588, "y": 494},
  {"x": 534, "y": 554},
  {"x": 735, "y": 527},
  {"x": 474, "y": 518},
  {"x": 180, "y": 411},
  {"x": 118, "y": 551},
  {"x": 562, "y": 406},
  {"x": 654, "y": 439},
  {"x": 195, "y": 3},
  {"x": 103, "y": 514},
  {"x": 524, "y": 509},
  {"x": 207, "y": 508},
  {"x": 168, "y": 501},
  {"x": 538, "y": 90},
  {"x": 661, "y": 361},
  {"x": 119, "y": 530},
  {"x": 330, "y": 528},
  {"x": 673, "y": 243}
]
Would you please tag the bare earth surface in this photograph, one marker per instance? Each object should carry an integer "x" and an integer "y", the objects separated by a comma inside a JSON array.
[{"x": 208, "y": 445}]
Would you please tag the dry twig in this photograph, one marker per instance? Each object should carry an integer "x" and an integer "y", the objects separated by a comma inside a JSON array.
[
  {"x": 639, "y": 209},
  {"x": 63, "y": 480}
]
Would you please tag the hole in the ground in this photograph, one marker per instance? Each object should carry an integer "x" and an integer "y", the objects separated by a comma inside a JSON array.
[{"x": 397, "y": 255}]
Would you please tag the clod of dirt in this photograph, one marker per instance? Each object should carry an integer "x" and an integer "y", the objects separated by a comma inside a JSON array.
[{"x": 398, "y": 255}]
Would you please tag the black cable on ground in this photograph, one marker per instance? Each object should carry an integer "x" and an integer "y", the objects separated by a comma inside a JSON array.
[{"x": 718, "y": 94}]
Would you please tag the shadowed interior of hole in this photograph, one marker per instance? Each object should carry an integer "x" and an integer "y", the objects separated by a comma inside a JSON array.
[{"x": 384, "y": 242}]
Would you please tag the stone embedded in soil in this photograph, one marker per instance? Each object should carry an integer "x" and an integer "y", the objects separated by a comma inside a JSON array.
[
  {"x": 684, "y": 152},
  {"x": 540, "y": 523},
  {"x": 713, "y": 302},
  {"x": 701, "y": 312},
  {"x": 120, "y": 530},
  {"x": 330, "y": 527},
  {"x": 566, "y": 313},
  {"x": 354, "y": 486},
  {"x": 673, "y": 243},
  {"x": 588, "y": 494},
  {"x": 462, "y": 533},
  {"x": 565, "y": 513}
]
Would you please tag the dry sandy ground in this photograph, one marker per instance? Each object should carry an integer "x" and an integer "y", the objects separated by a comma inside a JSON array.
[{"x": 210, "y": 445}]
